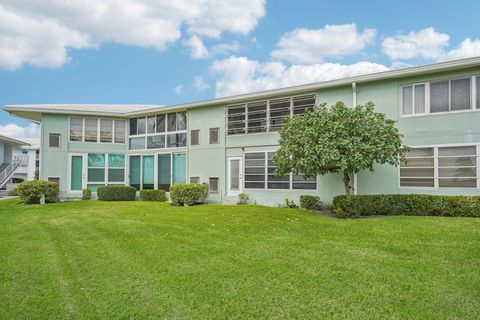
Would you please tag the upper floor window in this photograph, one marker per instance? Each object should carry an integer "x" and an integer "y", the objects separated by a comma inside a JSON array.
[
  {"x": 97, "y": 130},
  {"x": 194, "y": 137},
  {"x": 54, "y": 140},
  {"x": 214, "y": 135},
  {"x": 158, "y": 131},
  {"x": 441, "y": 96},
  {"x": 265, "y": 116}
]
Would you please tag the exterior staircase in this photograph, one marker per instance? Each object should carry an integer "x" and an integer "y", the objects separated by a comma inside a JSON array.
[{"x": 8, "y": 170}]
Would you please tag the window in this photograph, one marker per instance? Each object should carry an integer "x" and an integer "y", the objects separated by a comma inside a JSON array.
[
  {"x": 76, "y": 129},
  {"x": 255, "y": 170},
  {"x": 96, "y": 167},
  {"x": 418, "y": 169},
  {"x": 213, "y": 185},
  {"x": 54, "y": 140},
  {"x": 257, "y": 117},
  {"x": 477, "y": 85},
  {"x": 172, "y": 168},
  {"x": 195, "y": 180},
  {"x": 148, "y": 172},
  {"x": 413, "y": 99},
  {"x": 194, "y": 137},
  {"x": 119, "y": 131},
  {"x": 116, "y": 168},
  {"x": 105, "y": 169},
  {"x": 442, "y": 167},
  {"x": 149, "y": 132},
  {"x": 450, "y": 95},
  {"x": 260, "y": 174},
  {"x": 91, "y": 129},
  {"x": 214, "y": 135},
  {"x": 236, "y": 119},
  {"x": 106, "y": 130},
  {"x": 279, "y": 112},
  {"x": 457, "y": 167},
  {"x": 252, "y": 117}
]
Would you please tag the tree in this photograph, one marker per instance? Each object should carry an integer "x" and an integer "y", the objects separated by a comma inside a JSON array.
[{"x": 338, "y": 140}]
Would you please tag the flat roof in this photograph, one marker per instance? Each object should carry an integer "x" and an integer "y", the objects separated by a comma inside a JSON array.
[{"x": 33, "y": 111}]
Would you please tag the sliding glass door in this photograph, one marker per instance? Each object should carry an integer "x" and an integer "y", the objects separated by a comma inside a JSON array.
[
  {"x": 148, "y": 174},
  {"x": 164, "y": 171},
  {"x": 135, "y": 171}
]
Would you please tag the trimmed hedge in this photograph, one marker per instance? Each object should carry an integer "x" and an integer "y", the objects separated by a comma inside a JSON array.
[
  {"x": 86, "y": 194},
  {"x": 188, "y": 194},
  {"x": 153, "y": 195},
  {"x": 407, "y": 204},
  {"x": 310, "y": 202},
  {"x": 30, "y": 191},
  {"x": 116, "y": 193}
]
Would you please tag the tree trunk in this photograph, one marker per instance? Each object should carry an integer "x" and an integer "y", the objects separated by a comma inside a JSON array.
[{"x": 346, "y": 183}]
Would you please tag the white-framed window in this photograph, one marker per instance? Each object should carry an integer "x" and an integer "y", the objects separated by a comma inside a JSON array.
[
  {"x": 105, "y": 169},
  {"x": 213, "y": 185},
  {"x": 97, "y": 130},
  {"x": 441, "y": 167},
  {"x": 441, "y": 96},
  {"x": 54, "y": 140},
  {"x": 414, "y": 99},
  {"x": 265, "y": 115},
  {"x": 214, "y": 137},
  {"x": 168, "y": 130},
  {"x": 259, "y": 173},
  {"x": 195, "y": 137}
]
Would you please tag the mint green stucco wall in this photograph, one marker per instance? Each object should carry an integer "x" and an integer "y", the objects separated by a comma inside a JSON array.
[{"x": 210, "y": 160}]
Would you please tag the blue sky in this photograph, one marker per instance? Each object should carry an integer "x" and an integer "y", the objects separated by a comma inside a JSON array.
[{"x": 166, "y": 52}]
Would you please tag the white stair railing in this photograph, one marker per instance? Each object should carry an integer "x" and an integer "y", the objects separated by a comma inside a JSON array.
[{"x": 6, "y": 174}]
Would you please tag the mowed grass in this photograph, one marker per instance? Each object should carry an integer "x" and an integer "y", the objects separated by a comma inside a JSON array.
[{"x": 99, "y": 260}]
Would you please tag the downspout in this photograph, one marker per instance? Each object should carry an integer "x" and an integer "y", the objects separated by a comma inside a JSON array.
[{"x": 354, "y": 103}]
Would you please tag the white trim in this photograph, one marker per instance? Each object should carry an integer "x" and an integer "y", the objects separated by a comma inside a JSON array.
[
  {"x": 84, "y": 172},
  {"x": 231, "y": 193}
]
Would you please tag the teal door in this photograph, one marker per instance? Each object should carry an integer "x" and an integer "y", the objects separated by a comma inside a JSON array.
[{"x": 76, "y": 176}]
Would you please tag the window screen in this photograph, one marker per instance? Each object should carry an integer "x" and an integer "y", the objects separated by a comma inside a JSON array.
[
  {"x": 303, "y": 104},
  {"x": 279, "y": 112},
  {"x": 213, "y": 185},
  {"x": 214, "y": 135},
  {"x": 236, "y": 119},
  {"x": 76, "y": 129},
  {"x": 91, "y": 130},
  {"x": 439, "y": 96},
  {"x": 255, "y": 170},
  {"x": 460, "y": 91},
  {"x": 419, "y": 102},
  {"x": 106, "y": 130},
  {"x": 407, "y": 100},
  {"x": 457, "y": 167},
  {"x": 418, "y": 169},
  {"x": 119, "y": 131},
  {"x": 194, "y": 137},
  {"x": 257, "y": 117},
  {"x": 54, "y": 140},
  {"x": 276, "y": 182}
]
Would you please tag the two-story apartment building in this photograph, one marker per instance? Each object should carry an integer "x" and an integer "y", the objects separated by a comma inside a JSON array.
[{"x": 229, "y": 142}]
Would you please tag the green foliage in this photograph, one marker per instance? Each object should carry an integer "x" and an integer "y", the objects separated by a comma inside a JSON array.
[
  {"x": 310, "y": 202},
  {"x": 31, "y": 191},
  {"x": 188, "y": 194},
  {"x": 407, "y": 204},
  {"x": 153, "y": 195},
  {"x": 243, "y": 198},
  {"x": 288, "y": 204},
  {"x": 116, "y": 193},
  {"x": 338, "y": 140},
  {"x": 86, "y": 194}
]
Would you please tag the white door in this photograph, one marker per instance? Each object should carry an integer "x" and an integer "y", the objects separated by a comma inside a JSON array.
[{"x": 235, "y": 179}]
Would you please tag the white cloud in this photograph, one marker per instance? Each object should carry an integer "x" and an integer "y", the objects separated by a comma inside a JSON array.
[
  {"x": 40, "y": 33},
  {"x": 179, "y": 89},
  {"x": 200, "y": 84},
  {"x": 13, "y": 130},
  {"x": 426, "y": 43},
  {"x": 313, "y": 45},
  {"x": 198, "y": 50},
  {"x": 466, "y": 49},
  {"x": 238, "y": 75}
]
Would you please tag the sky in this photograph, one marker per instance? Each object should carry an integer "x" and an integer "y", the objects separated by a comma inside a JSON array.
[{"x": 174, "y": 51}]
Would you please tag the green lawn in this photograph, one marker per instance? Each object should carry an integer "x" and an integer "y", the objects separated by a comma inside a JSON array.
[{"x": 87, "y": 260}]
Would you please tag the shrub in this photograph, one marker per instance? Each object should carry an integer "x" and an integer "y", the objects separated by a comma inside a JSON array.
[
  {"x": 188, "y": 194},
  {"x": 30, "y": 191},
  {"x": 116, "y": 193},
  {"x": 243, "y": 198},
  {"x": 310, "y": 202},
  {"x": 86, "y": 194},
  {"x": 288, "y": 204},
  {"x": 408, "y": 204},
  {"x": 153, "y": 195}
]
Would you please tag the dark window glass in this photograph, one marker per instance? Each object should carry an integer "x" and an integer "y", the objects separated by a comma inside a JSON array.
[
  {"x": 133, "y": 126},
  {"x": 161, "y": 123},
  {"x": 141, "y": 124},
  {"x": 181, "y": 121},
  {"x": 172, "y": 122},
  {"x": 151, "y": 124}
]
